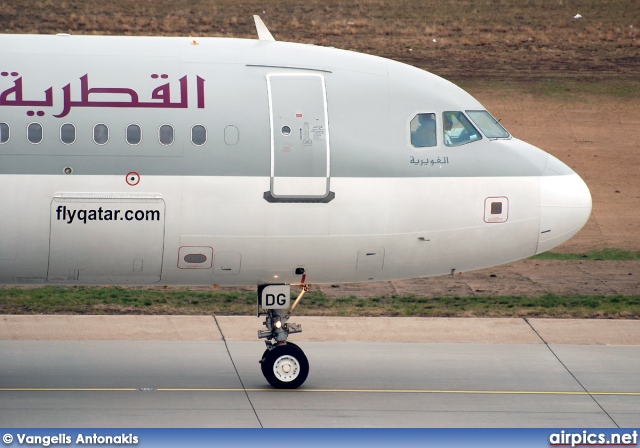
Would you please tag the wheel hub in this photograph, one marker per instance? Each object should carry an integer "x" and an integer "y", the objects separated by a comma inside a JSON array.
[{"x": 286, "y": 368}]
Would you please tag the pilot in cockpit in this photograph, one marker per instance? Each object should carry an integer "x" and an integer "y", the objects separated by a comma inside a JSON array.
[
  {"x": 447, "y": 127},
  {"x": 425, "y": 133}
]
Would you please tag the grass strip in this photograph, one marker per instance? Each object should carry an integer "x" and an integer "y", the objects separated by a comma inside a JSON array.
[{"x": 58, "y": 300}]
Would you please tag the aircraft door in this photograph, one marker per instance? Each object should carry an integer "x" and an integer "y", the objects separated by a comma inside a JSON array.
[{"x": 300, "y": 151}]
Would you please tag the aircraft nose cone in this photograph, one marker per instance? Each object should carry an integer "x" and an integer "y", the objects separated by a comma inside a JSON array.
[{"x": 565, "y": 205}]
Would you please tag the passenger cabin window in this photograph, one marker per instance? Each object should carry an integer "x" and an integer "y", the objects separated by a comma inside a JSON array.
[
  {"x": 423, "y": 130},
  {"x": 67, "y": 133},
  {"x": 198, "y": 135},
  {"x": 4, "y": 132},
  {"x": 34, "y": 133},
  {"x": 231, "y": 135},
  {"x": 134, "y": 134},
  {"x": 487, "y": 124},
  {"x": 100, "y": 134},
  {"x": 458, "y": 130},
  {"x": 165, "y": 134}
]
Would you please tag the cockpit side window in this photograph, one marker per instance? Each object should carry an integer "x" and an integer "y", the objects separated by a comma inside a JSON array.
[
  {"x": 458, "y": 130},
  {"x": 487, "y": 124},
  {"x": 423, "y": 130}
]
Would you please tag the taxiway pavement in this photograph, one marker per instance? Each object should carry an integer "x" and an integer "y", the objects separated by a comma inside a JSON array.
[{"x": 180, "y": 371}]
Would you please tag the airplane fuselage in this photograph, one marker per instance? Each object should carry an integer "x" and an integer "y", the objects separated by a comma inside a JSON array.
[{"x": 232, "y": 162}]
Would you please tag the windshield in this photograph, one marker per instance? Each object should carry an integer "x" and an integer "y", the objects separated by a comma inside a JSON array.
[
  {"x": 487, "y": 124},
  {"x": 458, "y": 130}
]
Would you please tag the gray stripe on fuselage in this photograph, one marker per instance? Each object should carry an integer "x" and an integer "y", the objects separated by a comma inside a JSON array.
[{"x": 479, "y": 159}]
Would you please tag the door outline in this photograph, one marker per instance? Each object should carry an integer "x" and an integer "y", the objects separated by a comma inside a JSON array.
[{"x": 327, "y": 195}]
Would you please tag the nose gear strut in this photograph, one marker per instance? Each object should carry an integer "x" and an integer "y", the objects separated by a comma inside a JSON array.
[{"x": 284, "y": 364}]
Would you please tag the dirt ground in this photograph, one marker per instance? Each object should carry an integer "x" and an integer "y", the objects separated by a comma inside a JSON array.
[
  {"x": 457, "y": 39},
  {"x": 525, "y": 278},
  {"x": 569, "y": 85}
]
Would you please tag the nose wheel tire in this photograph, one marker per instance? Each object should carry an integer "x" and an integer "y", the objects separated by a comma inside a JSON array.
[{"x": 285, "y": 366}]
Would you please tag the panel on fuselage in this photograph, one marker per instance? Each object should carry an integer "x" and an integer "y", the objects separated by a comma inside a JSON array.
[{"x": 106, "y": 238}]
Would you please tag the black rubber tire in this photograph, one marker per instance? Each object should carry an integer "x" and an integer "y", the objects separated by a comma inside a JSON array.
[
  {"x": 296, "y": 355},
  {"x": 291, "y": 344},
  {"x": 266, "y": 352}
]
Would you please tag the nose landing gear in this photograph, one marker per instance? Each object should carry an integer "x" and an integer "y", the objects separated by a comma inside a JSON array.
[{"x": 284, "y": 364}]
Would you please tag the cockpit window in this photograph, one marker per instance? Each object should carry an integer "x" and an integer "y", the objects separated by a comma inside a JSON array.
[
  {"x": 487, "y": 124},
  {"x": 423, "y": 130},
  {"x": 458, "y": 130}
]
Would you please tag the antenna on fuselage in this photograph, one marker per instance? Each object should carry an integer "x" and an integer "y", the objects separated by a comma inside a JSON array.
[{"x": 263, "y": 31}]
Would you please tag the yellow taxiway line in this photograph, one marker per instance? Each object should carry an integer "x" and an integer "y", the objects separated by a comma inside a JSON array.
[
  {"x": 351, "y": 391},
  {"x": 68, "y": 389}
]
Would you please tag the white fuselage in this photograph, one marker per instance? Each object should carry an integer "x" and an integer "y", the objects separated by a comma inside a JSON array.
[{"x": 308, "y": 168}]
